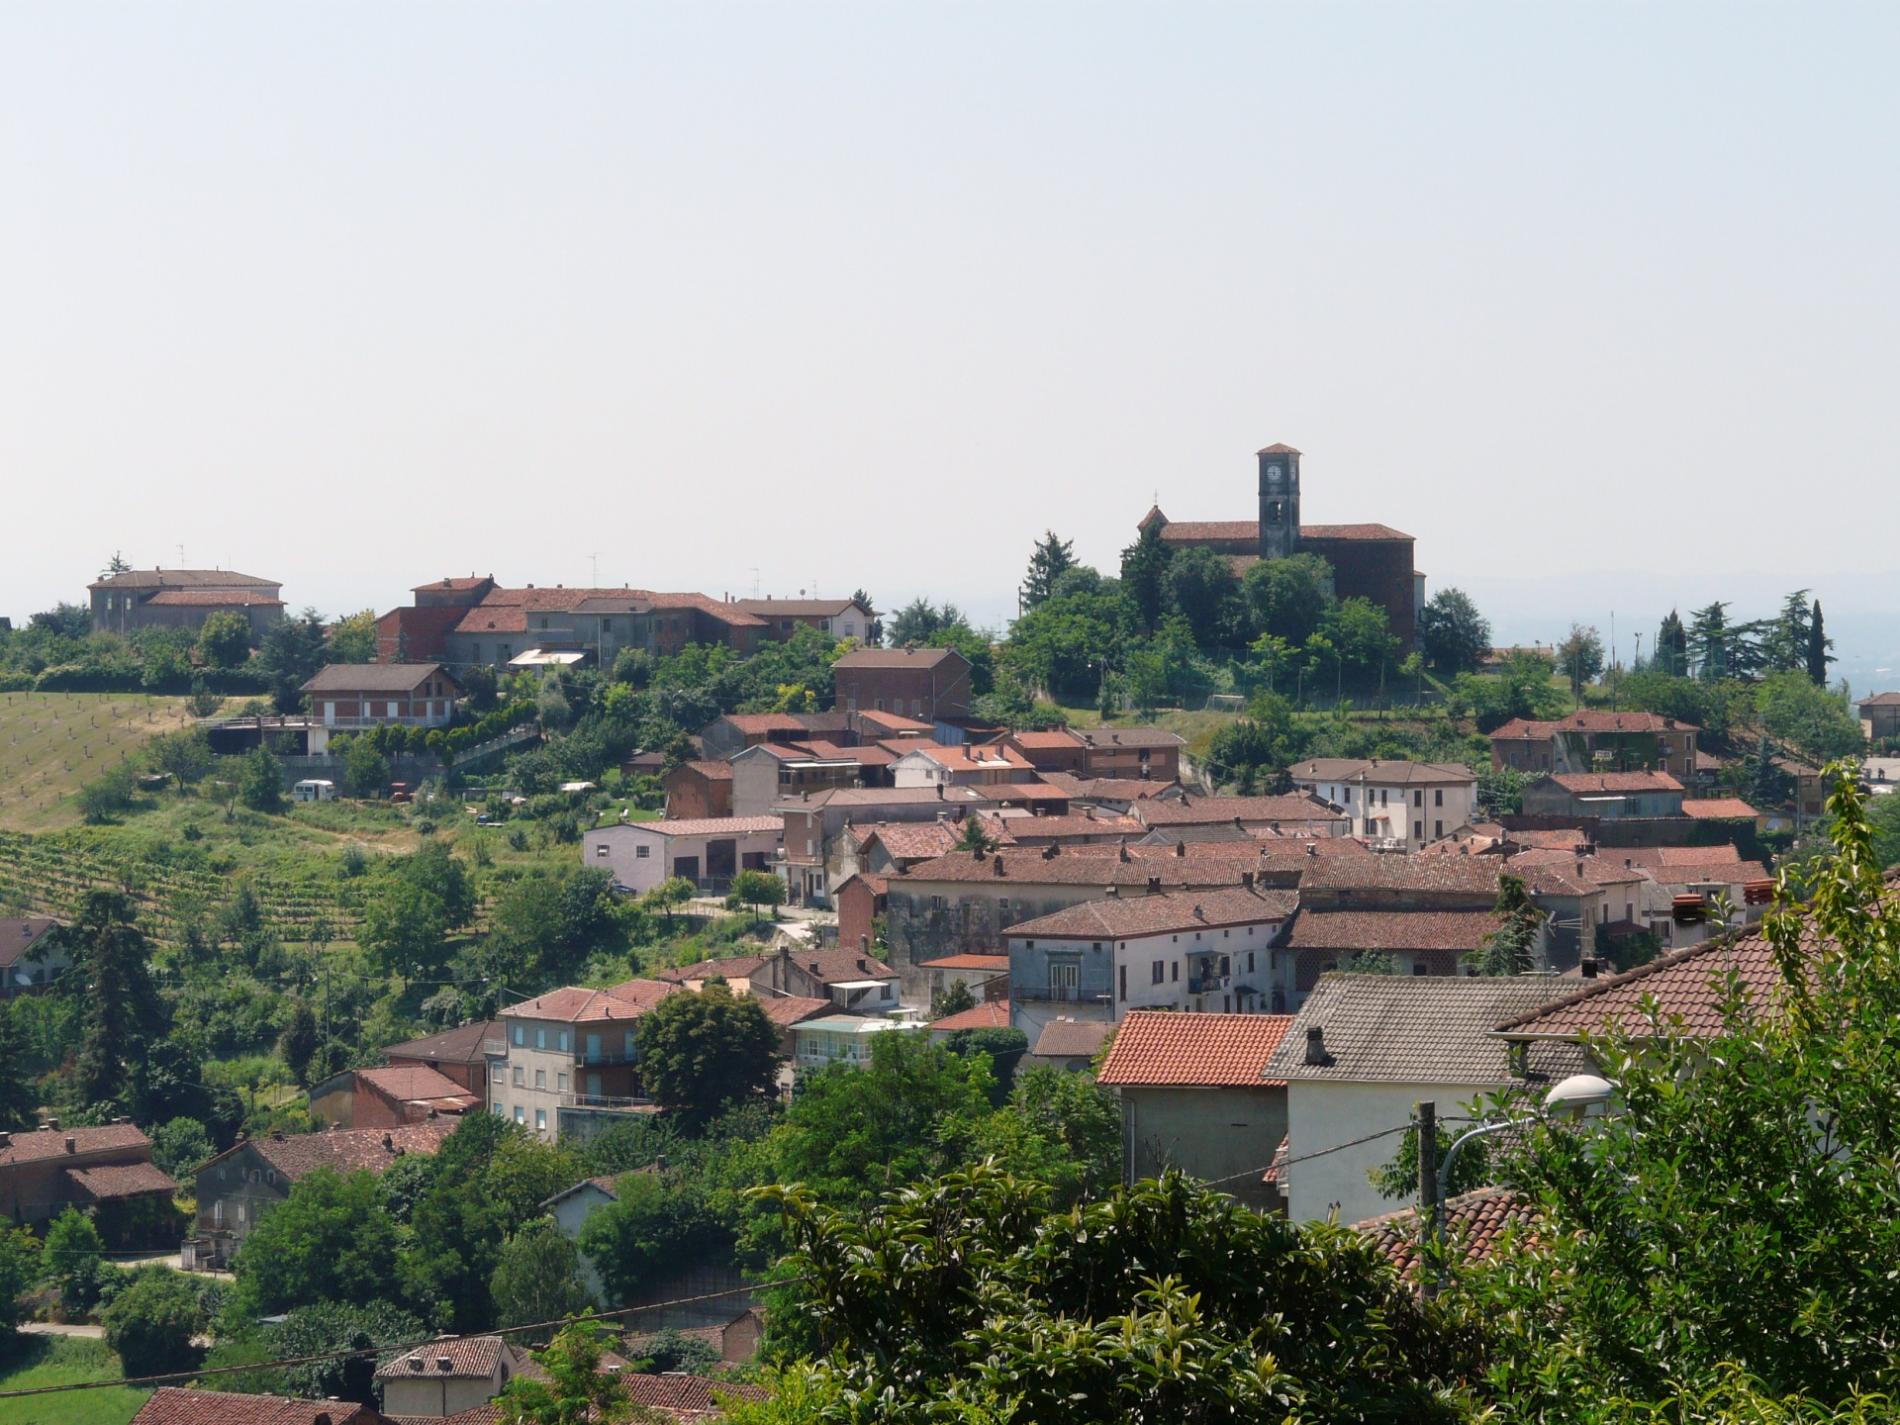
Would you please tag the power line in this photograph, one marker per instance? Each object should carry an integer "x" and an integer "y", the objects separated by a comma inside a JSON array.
[
  {"x": 1322, "y": 1152},
  {"x": 395, "y": 1350}
]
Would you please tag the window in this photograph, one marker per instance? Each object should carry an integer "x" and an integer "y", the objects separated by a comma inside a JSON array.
[
  {"x": 1250, "y": 962},
  {"x": 521, "y": 1076},
  {"x": 540, "y": 1120},
  {"x": 500, "y": 1108},
  {"x": 521, "y": 1114},
  {"x": 1124, "y": 980},
  {"x": 1064, "y": 978},
  {"x": 560, "y": 1082},
  {"x": 495, "y": 1073},
  {"x": 640, "y": 853},
  {"x": 520, "y": 1036},
  {"x": 217, "y": 1213},
  {"x": 1418, "y": 831},
  {"x": 540, "y": 1037},
  {"x": 1385, "y": 797},
  {"x": 1157, "y": 973},
  {"x": 1418, "y": 799},
  {"x": 240, "y": 1214},
  {"x": 560, "y": 1040},
  {"x": 1438, "y": 829},
  {"x": 600, "y": 851},
  {"x": 1438, "y": 797},
  {"x": 1174, "y": 971},
  {"x": 541, "y": 1078}
]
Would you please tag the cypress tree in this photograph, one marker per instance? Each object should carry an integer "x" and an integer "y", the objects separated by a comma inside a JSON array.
[{"x": 1818, "y": 645}]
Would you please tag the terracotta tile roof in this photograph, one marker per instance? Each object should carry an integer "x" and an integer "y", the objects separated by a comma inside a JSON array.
[
  {"x": 795, "y": 608},
  {"x": 1124, "y": 917},
  {"x": 475, "y": 1357},
  {"x": 1587, "y": 870},
  {"x": 832, "y": 966},
  {"x": 1158, "y": 1047},
  {"x": 729, "y": 967},
  {"x": 761, "y": 723},
  {"x": 577, "y": 1005},
  {"x": 1203, "y": 864},
  {"x": 877, "y": 885},
  {"x": 1604, "y": 783},
  {"x": 344, "y": 1149},
  {"x": 603, "y": 1184},
  {"x": 1072, "y": 1038},
  {"x": 967, "y": 758},
  {"x": 507, "y": 610},
  {"x": 897, "y": 658},
  {"x": 1473, "y": 1224},
  {"x": 1192, "y": 809},
  {"x": 1473, "y": 875},
  {"x": 991, "y": 1014},
  {"x": 914, "y": 840},
  {"x": 18, "y": 935},
  {"x": 1434, "y": 1029},
  {"x": 1881, "y": 700},
  {"x": 407, "y": 1083},
  {"x": 851, "y": 797},
  {"x": 1058, "y": 739},
  {"x": 706, "y": 826},
  {"x": 1679, "y": 855},
  {"x": 1686, "y": 985},
  {"x": 214, "y": 599},
  {"x": 683, "y": 1396},
  {"x": 1591, "y": 720},
  {"x": 1134, "y": 737},
  {"x": 116, "y": 1180},
  {"x": 784, "y": 1010},
  {"x": 461, "y": 1045},
  {"x": 183, "y": 579},
  {"x": 1347, "y": 930},
  {"x": 1192, "y": 531},
  {"x": 711, "y": 771},
  {"x": 1383, "y": 771},
  {"x": 891, "y": 722},
  {"x": 1718, "y": 809},
  {"x": 1050, "y": 828},
  {"x": 376, "y": 678},
  {"x": 473, "y": 581},
  {"x": 1277, "y": 448},
  {"x": 990, "y": 964},
  {"x": 1113, "y": 789},
  {"x": 173, "y": 1405},
  {"x": 1351, "y": 531},
  {"x": 41, "y": 1143}
]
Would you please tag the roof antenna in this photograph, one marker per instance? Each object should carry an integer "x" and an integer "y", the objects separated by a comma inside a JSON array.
[{"x": 755, "y": 581}]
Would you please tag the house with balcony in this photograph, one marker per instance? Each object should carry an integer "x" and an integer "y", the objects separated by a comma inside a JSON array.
[
  {"x": 567, "y": 1063},
  {"x": 350, "y": 697},
  {"x": 768, "y": 773},
  {"x": 709, "y": 852},
  {"x": 1396, "y": 806},
  {"x": 30, "y": 954},
  {"x": 1195, "y": 951},
  {"x": 1597, "y": 741},
  {"x": 830, "y": 1039},
  {"x": 1611, "y": 796}
]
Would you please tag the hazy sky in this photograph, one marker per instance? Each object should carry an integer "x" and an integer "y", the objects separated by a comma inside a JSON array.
[{"x": 357, "y": 295}]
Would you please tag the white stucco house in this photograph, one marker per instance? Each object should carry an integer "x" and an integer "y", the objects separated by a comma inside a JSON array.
[
  {"x": 708, "y": 851},
  {"x": 1402, "y": 806}
]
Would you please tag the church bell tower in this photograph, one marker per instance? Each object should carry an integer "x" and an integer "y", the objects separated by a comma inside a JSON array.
[{"x": 1279, "y": 502}]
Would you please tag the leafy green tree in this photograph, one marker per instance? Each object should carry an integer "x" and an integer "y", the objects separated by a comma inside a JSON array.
[
  {"x": 1509, "y": 950},
  {"x": 329, "y": 1240},
  {"x": 299, "y": 1042},
  {"x": 180, "y": 1144},
  {"x": 672, "y": 1350},
  {"x": 17, "y": 1091},
  {"x": 365, "y": 769},
  {"x": 1397, "y": 1180},
  {"x": 1768, "y": 785},
  {"x": 109, "y": 794},
  {"x": 1052, "y": 558},
  {"x": 757, "y": 889},
  {"x": 974, "y": 836},
  {"x": 1812, "y": 720},
  {"x": 203, "y": 702},
  {"x": 967, "y": 1299},
  {"x": 1256, "y": 749},
  {"x": 1500, "y": 792},
  {"x": 701, "y": 1054},
  {"x": 123, "y": 1011},
  {"x": 1785, "y": 639},
  {"x": 151, "y": 1321},
  {"x": 1757, "y": 1168},
  {"x": 490, "y": 1177},
  {"x": 921, "y": 624},
  {"x": 1058, "y": 1128},
  {"x": 954, "y": 1000},
  {"x": 1671, "y": 656},
  {"x": 1360, "y": 632},
  {"x": 325, "y": 1328},
  {"x": 1453, "y": 635},
  {"x": 1145, "y": 573},
  {"x": 19, "y": 1271},
  {"x": 1288, "y": 598},
  {"x": 668, "y": 896},
  {"x": 261, "y": 780},
  {"x": 353, "y": 639},
  {"x": 73, "y": 1255},
  {"x": 1580, "y": 657},
  {"x": 572, "y": 1390},
  {"x": 405, "y": 930},
  {"x": 538, "y": 1276},
  {"x": 1708, "y": 642},
  {"x": 1201, "y": 588},
  {"x": 544, "y": 925},
  {"x": 184, "y": 755},
  {"x": 288, "y": 655},
  {"x": 853, "y": 1132},
  {"x": 656, "y": 1222},
  {"x": 224, "y": 639}
]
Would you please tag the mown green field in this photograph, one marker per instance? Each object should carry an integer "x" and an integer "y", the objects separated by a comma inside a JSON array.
[
  {"x": 33, "y": 1361},
  {"x": 52, "y": 742}
]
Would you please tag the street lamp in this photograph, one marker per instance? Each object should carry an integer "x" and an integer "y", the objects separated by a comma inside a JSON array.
[{"x": 1573, "y": 1097}]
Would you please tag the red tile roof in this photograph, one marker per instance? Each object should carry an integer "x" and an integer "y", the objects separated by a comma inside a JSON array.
[
  {"x": 460, "y": 1045},
  {"x": 1196, "y": 810},
  {"x": 214, "y": 599},
  {"x": 574, "y": 1004},
  {"x": 1473, "y": 1224},
  {"x": 912, "y": 840},
  {"x": 1197, "y": 531},
  {"x": 42, "y": 1143},
  {"x": 834, "y": 966},
  {"x": 1075, "y": 825},
  {"x": 473, "y": 581},
  {"x": 1136, "y": 738},
  {"x": 1126, "y": 917},
  {"x": 1054, "y": 739},
  {"x": 411, "y": 1083},
  {"x": 728, "y": 967},
  {"x": 683, "y": 1396},
  {"x": 706, "y": 826},
  {"x": 1108, "y": 789},
  {"x": 467, "y": 1356},
  {"x": 1686, "y": 985},
  {"x": 1158, "y": 1047},
  {"x": 795, "y": 608},
  {"x": 1391, "y": 929},
  {"x": 377, "y": 678},
  {"x": 344, "y": 1149},
  {"x": 991, "y": 1014},
  {"x": 791, "y": 1009},
  {"x": 173, "y": 1405},
  {"x": 967, "y": 758},
  {"x": 1601, "y": 783},
  {"x": 118, "y": 1180},
  {"x": 711, "y": 771},
  {"x": 18, "y": 934},
  {"x": 1591, "y": 720},
  {"x": 1473, "y": 875},
  {"x": 1718, "y": 809},
  {"x": 989, "y": 964},
  {"x": 897, "y": 658}
]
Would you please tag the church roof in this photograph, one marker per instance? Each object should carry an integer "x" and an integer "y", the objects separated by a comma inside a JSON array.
[
  {"x": 1277, "y": 449},
  {"x": 1202, "y": 531}
]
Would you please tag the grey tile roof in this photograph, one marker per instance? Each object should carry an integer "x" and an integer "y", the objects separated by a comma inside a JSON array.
[{"x": 1410, "y": 1029}]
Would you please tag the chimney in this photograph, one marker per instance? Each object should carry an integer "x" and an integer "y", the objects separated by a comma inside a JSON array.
[
  {"x": 1049, "y": 852},
  {"x": 1589, "y": 967},
  {"x": 53, "y": 1124},
  {"x": 996, "y": 865},
  {"x": 1154, "y": 885},
  {"x": 1316, "y": 1047},
  {"x": 389, "y": 1144},
  {"x": 72, "y": 1144},
  {"x": 277, "y": 1135},
  {"x": 1246, "y": 880},
  {"x": 6, "y": 1139},
  {"x": 863, "y": 968},
  {"x": 864, "y": 946},
  {"x": 1312, "y": 848},
  {"x": 1180, "y": 848}
]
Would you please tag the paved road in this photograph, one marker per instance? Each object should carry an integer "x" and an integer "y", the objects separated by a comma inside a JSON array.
[{"x": 60, "y": 1328}]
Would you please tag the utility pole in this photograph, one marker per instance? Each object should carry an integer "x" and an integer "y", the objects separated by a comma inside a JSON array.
[{"x": 1425, "y": 1120}]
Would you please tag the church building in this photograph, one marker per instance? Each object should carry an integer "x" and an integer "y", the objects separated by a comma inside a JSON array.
[{"x": 1370, "y": 561}]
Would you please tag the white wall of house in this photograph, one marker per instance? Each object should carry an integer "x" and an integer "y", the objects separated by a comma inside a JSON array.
[
  {"x": 570, "y": 1215},
  {"x": 1324, "y": 1115},
  {"x": 527, "y": 1082},
  {"x": 428, "y": 1393},
  {"x": 1407, "y": 815},
  {"x": 639, "y": 858}
]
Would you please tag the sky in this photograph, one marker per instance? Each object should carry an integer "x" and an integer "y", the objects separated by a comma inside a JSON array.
[{"x": 1598, "y": 301}]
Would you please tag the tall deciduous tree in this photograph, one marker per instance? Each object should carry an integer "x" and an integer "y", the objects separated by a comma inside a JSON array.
[
  {"x": 224, "y": 639},
  {"x": 701, "y": 1054},
  {"x": 1452, "y": 633},
  {"x": 1580, "y": 657},
  {"x": 538, "y": 1277},
  {"x": 1708, "y": 642},
  {"x": 329, "y": 1240},
  {"x": 1051, "y": 559}
]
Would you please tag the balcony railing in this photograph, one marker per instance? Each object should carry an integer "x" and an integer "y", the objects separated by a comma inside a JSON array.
[
  {"x": 606, "y": 1103},
  {"x": 1065, "y": 994},
  {"x": 1203, "y": 984},
  {"x": 495, "y": 1048},
  {"x": 596, "y": 1057}
]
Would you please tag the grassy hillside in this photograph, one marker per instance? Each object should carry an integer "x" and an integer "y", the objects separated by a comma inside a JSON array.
[
  {"x": 51, "y": 742},
  {"x": 33, "y": 1361}
]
